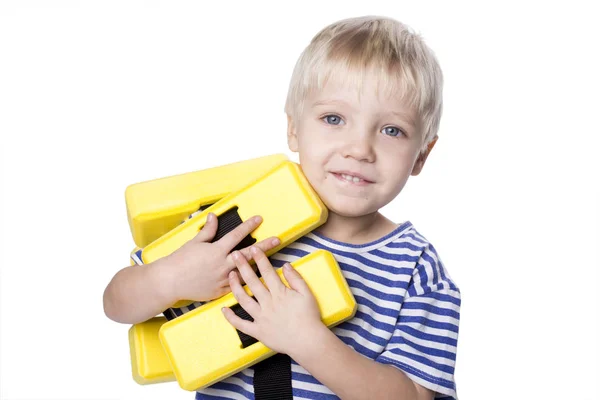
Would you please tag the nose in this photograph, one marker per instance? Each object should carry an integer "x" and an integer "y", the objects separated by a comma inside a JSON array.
[{"x": 359, "y": 145}]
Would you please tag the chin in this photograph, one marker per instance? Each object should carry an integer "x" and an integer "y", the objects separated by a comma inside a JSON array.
[{"x": 352, "y": 210}]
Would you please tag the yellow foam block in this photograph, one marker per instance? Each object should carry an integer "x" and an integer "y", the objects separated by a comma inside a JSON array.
[
  {"x": 290, "y": 208},
  {"x": 149, "y": 362},
  {"x": 204, "y": 348},
  {"x": 157, "y": 206}
]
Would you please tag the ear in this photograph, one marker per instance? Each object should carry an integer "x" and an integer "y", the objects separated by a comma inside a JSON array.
[
  {"x": 418, "y": 167},
  {"x": 292, "y": 136}
]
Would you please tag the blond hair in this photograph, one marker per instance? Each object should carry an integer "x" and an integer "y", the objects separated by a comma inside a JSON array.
[{"x": 350, "y": 48}]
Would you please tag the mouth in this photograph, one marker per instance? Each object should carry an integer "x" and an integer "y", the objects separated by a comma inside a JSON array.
[{"x": 351, "y": 177}]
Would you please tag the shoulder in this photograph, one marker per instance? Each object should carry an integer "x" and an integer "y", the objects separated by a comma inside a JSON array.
[{"x": 429, "y": 274}]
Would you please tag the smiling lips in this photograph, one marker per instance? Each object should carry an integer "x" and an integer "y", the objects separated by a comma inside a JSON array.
[{"x": 351, "y": 177}]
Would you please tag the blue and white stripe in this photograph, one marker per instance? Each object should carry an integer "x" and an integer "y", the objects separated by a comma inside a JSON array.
[{"x": 408, "y": 313}]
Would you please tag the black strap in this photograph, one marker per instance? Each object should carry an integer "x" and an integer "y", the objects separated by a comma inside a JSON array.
[
  {"x": 226, "y": 222},
  {"x": 247, "y": 340},
  {"x": 273, "y": 376}
]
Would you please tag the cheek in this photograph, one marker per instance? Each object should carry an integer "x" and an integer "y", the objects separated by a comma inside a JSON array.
[
  {"x": 311, "y": 161},
  {"x": 396, "y": 166},
  {"x": 313, "y": 147},
  {"x": 314, "y": 161}
]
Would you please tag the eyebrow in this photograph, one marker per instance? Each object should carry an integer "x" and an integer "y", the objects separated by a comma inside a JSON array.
[
  {"x": 403, "y": 116},
  {"x": 329, "y": 102}
]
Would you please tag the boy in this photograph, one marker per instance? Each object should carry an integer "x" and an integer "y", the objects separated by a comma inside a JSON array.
[{"x": 363, "y": 109}]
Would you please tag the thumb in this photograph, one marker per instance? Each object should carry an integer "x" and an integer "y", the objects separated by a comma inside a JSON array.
[
  {"x": 295, "y": 280},
  {"x": 209, "y": 230}
]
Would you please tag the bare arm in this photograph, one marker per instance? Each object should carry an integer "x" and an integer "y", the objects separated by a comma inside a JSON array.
[
  {"x": 287, "y": 320},
  {"x": 197, "y": 272},
  {"x": 138, "y": 293},
  {"x": 349, "y": 374}
]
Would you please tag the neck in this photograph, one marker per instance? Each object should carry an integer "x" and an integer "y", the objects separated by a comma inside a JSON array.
[{"x": 356, "y": 230}]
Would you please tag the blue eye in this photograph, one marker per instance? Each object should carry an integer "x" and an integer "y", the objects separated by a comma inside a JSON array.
[
  {"x": 332, "y": 119},
  {"x": 391, "y": 131}
]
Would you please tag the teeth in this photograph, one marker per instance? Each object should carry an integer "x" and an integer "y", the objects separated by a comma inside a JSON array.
[{"x": 351, "y": 178}]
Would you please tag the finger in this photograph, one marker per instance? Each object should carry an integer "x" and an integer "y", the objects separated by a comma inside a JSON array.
[
  {"x": 239, "y": 277},
  {"x": 295, "y": 280},
  {"x": 264, "y": 245},
  {"x": 266, "y": 270},
  {"x": 247, "y": 302},
  {"x": 230, "y": 265},
  {"x": 225, "y": 283},
  {"x": 233, "y": 238},
  {"x": 256, "y": 286},
  {"x": 238, "y": 323},
  {"x": 208, "y": 231}
]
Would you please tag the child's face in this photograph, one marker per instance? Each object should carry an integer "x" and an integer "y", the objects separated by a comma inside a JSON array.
[{"x": 356, "y": 152}]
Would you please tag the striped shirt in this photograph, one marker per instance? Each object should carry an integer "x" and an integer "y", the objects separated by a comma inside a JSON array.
[{"x": 407, "y": 317}]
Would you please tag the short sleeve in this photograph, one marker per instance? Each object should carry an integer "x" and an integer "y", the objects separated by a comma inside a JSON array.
[{"x": 424, "y": 341}]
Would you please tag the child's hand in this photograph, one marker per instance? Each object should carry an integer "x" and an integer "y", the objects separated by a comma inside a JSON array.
[
  {"x": 199, "y": 270},
  {"x": 283, "y": 317}
]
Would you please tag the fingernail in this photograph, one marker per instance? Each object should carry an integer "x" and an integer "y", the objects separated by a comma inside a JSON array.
[
  {"x": 257, "y": 219},
  {"x": 275, "y": 242},
  {"x": 253, "y": 250},
  {"x": 288, "y": 266},
  {"x": 235, "y": 255},
  {"x": 231, "y": 275},
  {"x": 210, "y": 217}
]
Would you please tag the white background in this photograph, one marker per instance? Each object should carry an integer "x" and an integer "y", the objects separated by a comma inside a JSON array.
[{"x": 95, "y": 96}]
